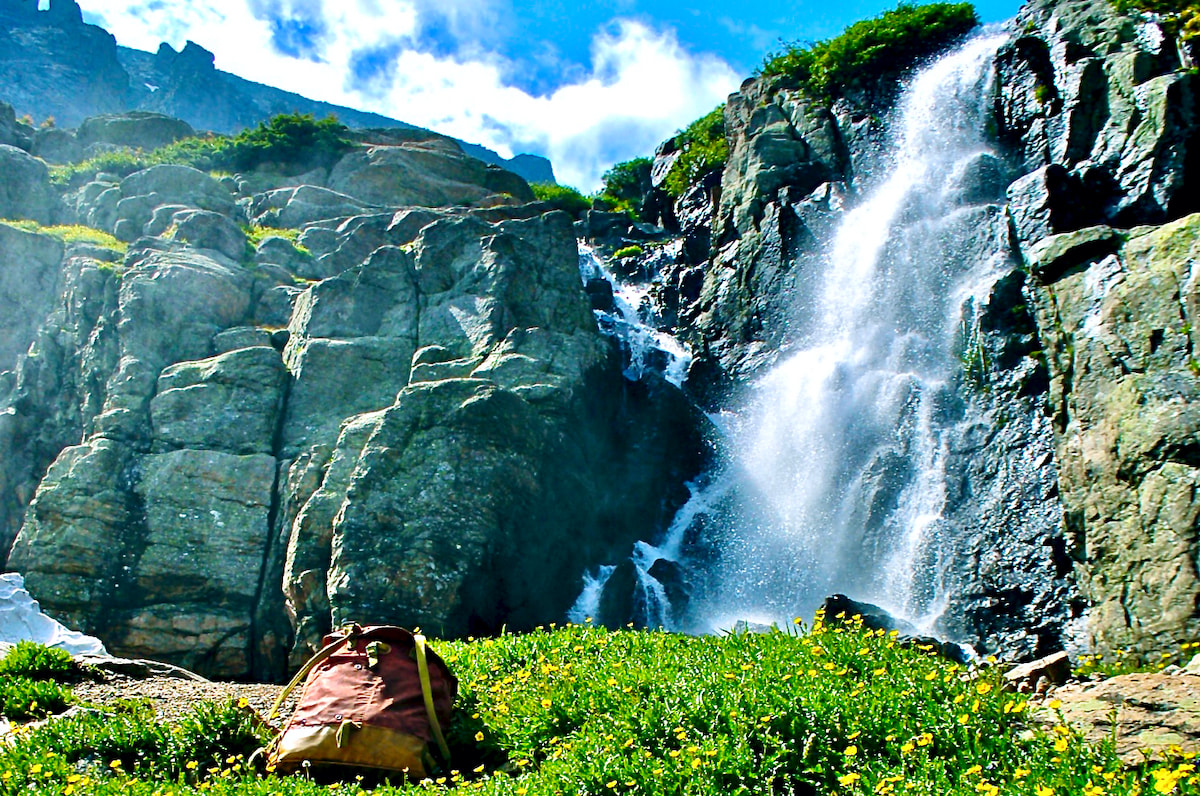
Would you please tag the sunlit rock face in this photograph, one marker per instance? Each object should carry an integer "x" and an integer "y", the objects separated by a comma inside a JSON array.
[{"x": 395, "y": 408}]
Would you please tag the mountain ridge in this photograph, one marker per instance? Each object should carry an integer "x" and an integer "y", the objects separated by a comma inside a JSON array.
[{"x": 55, "y": 65}]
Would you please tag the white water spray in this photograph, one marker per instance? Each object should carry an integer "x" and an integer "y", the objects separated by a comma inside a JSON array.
[
  {"x": 841, "y": 453},
  {"x": 630, "y": 322}
]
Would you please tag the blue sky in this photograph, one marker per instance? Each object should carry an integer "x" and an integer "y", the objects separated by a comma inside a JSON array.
[{"x": 585, "y": 84}]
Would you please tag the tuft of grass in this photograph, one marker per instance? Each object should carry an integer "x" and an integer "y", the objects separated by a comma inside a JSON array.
[
  {"x": 29, "y": 659},
  {"x": 702, "y": 148},
  {"x": 28, "y": 672},
  {"x": 71, "y": 233},
  {"x": 562, "y": 197},
  {"x": 1122, "y": 661},
  {"x": 628, "y": 251},
  {"x": 871, "y": 50},
  {"x": 584, "y": 710},
  {"x": 24, "y": 697},
  {"x": 256, "y": 234}
]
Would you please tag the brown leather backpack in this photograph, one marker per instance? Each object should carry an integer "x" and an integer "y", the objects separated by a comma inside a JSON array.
[{"x": 374, "y": 697}]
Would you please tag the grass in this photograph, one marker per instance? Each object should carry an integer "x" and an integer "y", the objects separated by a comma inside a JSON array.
[
  {"x": 30, "y": 686},
  {"x": 872, "y": 50},
  {"x": 628, "y": 251},
  {"x": 583, "y": 710},
  {"x": 1122, "y": 661},
  {"x": 70, "y": 233},
  {"x": 256, "y": 234}
]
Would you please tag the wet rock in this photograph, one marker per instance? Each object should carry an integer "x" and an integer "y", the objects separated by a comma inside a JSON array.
[
  {"x": 1053, "y": 257},
  {"x": 840, "y": 609},
  {"x": 1046, "y": 202}
]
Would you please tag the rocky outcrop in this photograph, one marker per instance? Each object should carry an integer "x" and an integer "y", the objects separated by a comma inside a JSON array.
[
  {"x": 138, "y": 130},
  {"x": 439, "y": 437},
  {"x": 1145, "y": 715},
  {"x": 25, "y": 192},
  {"x": 1118, "y": 324},
  {"x": 433, "y": 172},
  {"x": 1099, "y": 103},
  {"x": 56, "y": 68}
]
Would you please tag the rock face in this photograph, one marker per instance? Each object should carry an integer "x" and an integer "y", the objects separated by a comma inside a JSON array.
[
  {"x": 1143, "y": 715},
  {"x": 1099, "y": 111},
  {"x": 210, "y": 458},
  {"x": 1118, "y": 323},
  {"x": 56, "y": 67}
]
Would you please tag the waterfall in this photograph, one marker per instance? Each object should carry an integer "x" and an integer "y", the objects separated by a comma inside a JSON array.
[
  {"x": 836, "y": 476},
  {"x": 840, "y": 454}
]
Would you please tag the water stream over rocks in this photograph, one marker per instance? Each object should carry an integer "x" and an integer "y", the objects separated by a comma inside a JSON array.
[{"x": 840, "y": 461}]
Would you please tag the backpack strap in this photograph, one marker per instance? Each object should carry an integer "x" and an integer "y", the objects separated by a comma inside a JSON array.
[
  {"x": 313, "y": 662},
  {"x": 427, "y": 693}
]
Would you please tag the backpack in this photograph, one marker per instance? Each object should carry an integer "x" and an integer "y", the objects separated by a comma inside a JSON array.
[{"x": 374, "y": 697}]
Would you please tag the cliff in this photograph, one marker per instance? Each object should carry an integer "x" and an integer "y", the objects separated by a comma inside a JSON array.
[{"x": 389, "y": 403}]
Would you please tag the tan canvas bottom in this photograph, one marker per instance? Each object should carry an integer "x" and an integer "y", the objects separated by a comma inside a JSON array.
[{"x": 364, "y": 747}]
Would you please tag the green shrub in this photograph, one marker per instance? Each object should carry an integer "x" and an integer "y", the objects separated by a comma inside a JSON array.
[
  {"x": 702, "y": 148},
  {"x": 562, "y": 197},
  {"x": 628, "y": 251},
  {"x": 38, "y": 662},
  {"x": 288, "y": 143},
  {"x": 24, "y": 697},
  {"x": 871, "y": 50},
  {"x": 1181, "y": 15},
  {"x": 626, "y": 185},
  {"x": 129, "y": 745}
]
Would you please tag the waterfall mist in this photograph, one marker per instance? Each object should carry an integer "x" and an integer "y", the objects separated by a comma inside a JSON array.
[{"x": 839, "y": 456}]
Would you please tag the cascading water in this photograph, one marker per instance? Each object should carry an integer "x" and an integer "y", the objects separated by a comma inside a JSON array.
[
  {"x": 837, "y": 479},
  {"x": 630, "y": 320},
  {"x": 841, "y": 453}
]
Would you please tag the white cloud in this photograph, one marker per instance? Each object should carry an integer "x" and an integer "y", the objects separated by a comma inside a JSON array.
[{"x": 641, "y": 86}]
